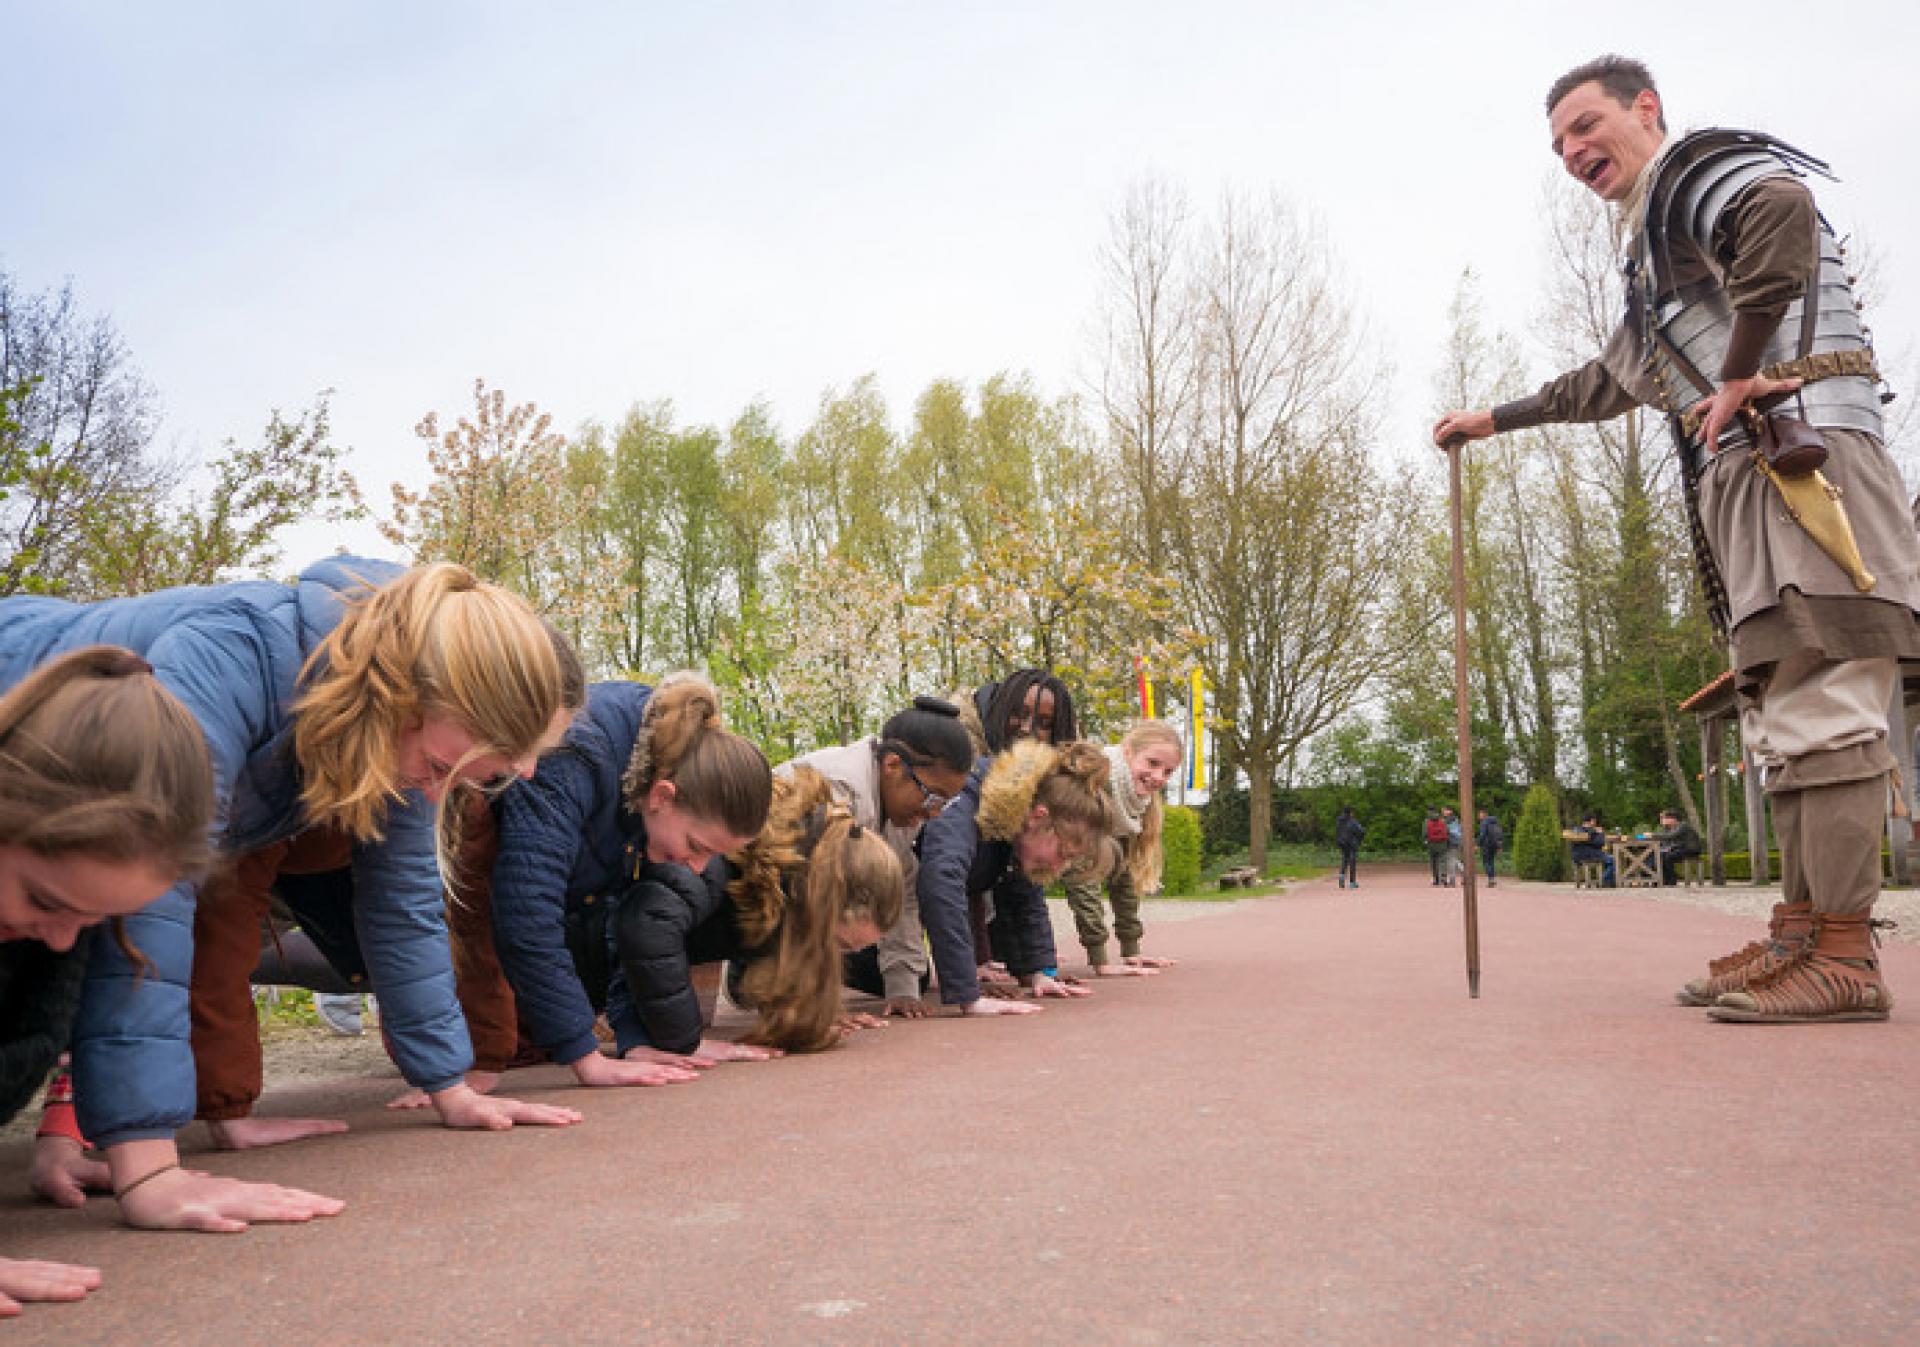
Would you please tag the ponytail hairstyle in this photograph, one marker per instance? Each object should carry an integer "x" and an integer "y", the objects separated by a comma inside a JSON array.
[
  {"x": 926, "y": 733},
  {"x": 811, "y": 868},
  {"x": 1145, "y": 857},
  {"x": 716, "y": 774},
  {"x": 1009, "y": 699},
  {"x": 1078, "y": 792},
  {"x": 97, "y": 759},
  {"x": 435, "y": 640}
]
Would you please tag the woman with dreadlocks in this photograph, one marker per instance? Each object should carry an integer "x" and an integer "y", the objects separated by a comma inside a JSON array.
[
  {"x": 1026, "y": 704},
  {"x": 783, "y": 910}
]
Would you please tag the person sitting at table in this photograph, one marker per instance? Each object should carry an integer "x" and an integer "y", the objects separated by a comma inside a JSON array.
[
  {"x": 1591, "y": 849},
  {"x": 1678, "y": 842}
]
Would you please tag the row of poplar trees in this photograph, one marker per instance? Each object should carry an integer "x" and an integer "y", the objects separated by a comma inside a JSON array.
[{"x": 1223, "y": 491}]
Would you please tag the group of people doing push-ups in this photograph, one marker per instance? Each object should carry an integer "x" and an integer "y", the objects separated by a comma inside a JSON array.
[{"x": 411, "y": 766}]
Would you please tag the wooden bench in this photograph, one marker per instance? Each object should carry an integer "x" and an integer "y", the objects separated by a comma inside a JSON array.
[{"x": 1241, "y": 877}]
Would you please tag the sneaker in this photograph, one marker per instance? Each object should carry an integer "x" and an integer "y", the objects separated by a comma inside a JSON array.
[{"x": 342, "y": 1013}]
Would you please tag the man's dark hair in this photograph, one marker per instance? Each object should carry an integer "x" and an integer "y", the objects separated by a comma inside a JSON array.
[{"x": 1621, "y": 76}]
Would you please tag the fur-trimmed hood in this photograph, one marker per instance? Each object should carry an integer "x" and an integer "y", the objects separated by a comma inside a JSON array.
[
  {"x": 1013, "y": 779},
  {"x": 972, "y": 707}
]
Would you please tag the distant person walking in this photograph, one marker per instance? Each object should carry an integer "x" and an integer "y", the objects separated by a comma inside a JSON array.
[
  {"x": 1347, "y": 832},
  {"x": 1491, "y": 840},
  {"x": 1436, "y": 839},
  {"x": 1453, "y": 868}
]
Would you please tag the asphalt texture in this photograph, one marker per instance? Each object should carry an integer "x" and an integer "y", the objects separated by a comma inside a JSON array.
[{"x": 1305, "y": 1133}]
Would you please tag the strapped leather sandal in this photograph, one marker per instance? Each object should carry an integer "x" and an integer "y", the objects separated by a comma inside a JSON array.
[
  {"x": 1786, "y": 932},
  {"x": 1832, "y": 978}
]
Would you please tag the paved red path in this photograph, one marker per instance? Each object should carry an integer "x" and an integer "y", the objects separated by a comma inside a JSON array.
[{"x": 1305, "y": 1134}]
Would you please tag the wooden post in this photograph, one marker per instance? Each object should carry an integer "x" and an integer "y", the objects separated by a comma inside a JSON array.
[
  {"x": 1713, "y": 733},
  {"x": 1900, "y": 830},
  {"x": 1462, "y": 720}
]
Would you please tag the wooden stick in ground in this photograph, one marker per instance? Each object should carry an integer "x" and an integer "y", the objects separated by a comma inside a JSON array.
[{"x": 1463, "y": 724}]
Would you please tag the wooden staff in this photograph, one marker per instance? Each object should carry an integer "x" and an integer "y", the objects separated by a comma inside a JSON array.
[{"x": 1463, "y": 725}]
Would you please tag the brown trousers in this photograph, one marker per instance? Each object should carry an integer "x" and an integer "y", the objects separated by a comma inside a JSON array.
[
  {"x": 1107, "y": 877},
  {"x": 1820, "y": 728},
  {"x": 227, "y": 923},
  {"x": 228, "y": 917}
]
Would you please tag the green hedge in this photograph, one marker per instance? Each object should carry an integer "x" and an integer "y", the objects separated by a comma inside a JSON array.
[
  {"x": 1181, "y": 843},
  {"x": 1539, "y": 852}
]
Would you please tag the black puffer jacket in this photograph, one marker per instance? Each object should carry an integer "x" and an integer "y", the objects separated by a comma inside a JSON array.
[
  {"x": 663, "y": 924},
  {"x": 39, "y": 993}
]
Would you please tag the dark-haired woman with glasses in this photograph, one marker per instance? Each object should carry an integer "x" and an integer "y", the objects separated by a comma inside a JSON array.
[{"x": 893, "y": 783}]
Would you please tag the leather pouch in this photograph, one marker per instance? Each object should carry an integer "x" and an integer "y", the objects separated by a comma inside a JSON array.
[{"x": 1792, "y": 447}]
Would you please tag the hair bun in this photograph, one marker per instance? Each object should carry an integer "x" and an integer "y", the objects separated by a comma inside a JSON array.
[{"x": 938, "y": 706}]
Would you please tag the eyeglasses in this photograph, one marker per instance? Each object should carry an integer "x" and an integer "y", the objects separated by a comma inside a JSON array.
[{"x": 930, "y": 800}]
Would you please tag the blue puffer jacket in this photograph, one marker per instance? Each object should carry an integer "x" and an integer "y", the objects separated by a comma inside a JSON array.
[
  {"x": 956, "y": 861},
  {"x": 233, "y": 654},
  {"x": 565, "y": 840}
]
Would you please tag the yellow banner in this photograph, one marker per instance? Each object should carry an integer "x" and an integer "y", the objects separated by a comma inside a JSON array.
[{"x": 1197, "y": 731}]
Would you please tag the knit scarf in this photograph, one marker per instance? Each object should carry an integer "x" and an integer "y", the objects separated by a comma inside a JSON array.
[{"x": 1131, "y": 805}]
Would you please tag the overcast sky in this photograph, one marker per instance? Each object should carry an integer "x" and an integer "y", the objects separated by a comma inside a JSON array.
[{"x": 593, "y": 205}]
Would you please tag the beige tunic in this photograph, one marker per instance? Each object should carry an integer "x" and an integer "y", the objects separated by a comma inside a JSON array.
[{"x": 1784, "y": 593}]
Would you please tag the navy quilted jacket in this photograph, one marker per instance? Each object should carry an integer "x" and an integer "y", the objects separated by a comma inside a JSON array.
[
  {"x": 566, "y": 840},
  {"x": 955, "y": 861}
]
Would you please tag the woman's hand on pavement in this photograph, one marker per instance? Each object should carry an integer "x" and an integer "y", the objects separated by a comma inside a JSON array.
[
  {"x": 598, "y": 1069},
  {"x": 63, "y": 1173},
  {"x": 188, "y": 1199},
  {"x": 1043, "y": 985},
  {"x": 484, "y": 1082},
  {"x": 22, "y": 1280},
  {"x": 244, "y": 1134},
  {"x": 994, "y": 1005},
  {"x": 462, "y": 1106}
]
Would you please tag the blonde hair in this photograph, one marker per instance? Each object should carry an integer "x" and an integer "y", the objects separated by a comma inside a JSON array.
[
  {"x": 811, "y": 868},
  {"x": 437, "y": 639},
  {"x": 1144, "y": 855},
  {"x": 467, "y": 815},
  {"x": 716, "y": 774}
]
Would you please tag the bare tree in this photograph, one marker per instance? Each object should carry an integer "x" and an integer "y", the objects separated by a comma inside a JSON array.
[
  {"x": 76, "y": 438},
  {"x": 1285, "y": 535}
]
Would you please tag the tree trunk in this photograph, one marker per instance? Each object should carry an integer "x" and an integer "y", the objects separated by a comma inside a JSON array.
[{"x": 1259, "y": 814}]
